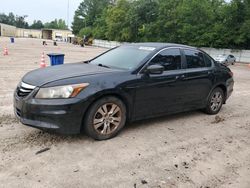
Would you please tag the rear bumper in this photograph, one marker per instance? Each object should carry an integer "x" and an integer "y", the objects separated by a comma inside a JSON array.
[
  {"x": 62, "y": 116},
  {"x": 230, "y": 86}
]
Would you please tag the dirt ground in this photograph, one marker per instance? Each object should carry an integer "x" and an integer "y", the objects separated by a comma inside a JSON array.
[{"x": 184, "y": 150}]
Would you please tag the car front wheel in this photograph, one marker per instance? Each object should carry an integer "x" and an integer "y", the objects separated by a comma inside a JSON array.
[
  {"x": 105, "y": 118},
  {"x": 215, "y": 101}
]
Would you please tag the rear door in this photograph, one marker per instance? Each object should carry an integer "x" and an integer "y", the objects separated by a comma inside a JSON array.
[{"x": 198, "y": 78}]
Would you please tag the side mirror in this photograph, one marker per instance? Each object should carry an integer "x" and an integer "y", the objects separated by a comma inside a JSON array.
[{"x": 155, "y": 69}]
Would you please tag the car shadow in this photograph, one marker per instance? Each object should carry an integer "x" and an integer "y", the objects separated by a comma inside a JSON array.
[
  {"x": 161, "y": 119},
  {"x": 42, "y": 138}
]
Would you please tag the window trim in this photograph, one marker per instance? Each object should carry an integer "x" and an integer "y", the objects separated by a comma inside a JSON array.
[
  {"x": 195, "y": 50},
  {"x": 212, "y": 61},
  {"x": 141, "y": 71}
]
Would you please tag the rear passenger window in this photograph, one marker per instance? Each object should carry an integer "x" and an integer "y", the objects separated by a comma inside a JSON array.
[
  {"x": 194, "y": 59},
  {"x": 208, "y": 60},
  {"x": 170, "y": 59}
]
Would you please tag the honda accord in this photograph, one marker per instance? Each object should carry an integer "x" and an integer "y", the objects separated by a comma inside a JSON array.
[{"x": 125, "y": 84}]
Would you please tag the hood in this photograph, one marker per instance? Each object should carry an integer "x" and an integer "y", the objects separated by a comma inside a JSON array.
[{"x": 43, "y": 76}]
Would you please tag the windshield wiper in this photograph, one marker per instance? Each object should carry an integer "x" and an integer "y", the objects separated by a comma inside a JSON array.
[{"x": 101, "y": 65}]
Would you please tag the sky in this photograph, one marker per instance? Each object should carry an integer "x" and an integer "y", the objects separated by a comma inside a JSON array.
[{"x": 44, "y": 10}]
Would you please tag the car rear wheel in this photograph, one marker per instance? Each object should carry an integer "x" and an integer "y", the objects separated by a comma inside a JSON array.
[
  {"x": 105, "y": 118},
  {"x": 215, "y": 101}
]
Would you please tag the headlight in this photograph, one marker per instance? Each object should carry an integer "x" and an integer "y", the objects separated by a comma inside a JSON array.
[{"x": 60, "y": 92}]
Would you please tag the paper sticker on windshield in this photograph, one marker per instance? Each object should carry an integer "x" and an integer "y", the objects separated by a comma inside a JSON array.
[{"x": 147, "y": 48}]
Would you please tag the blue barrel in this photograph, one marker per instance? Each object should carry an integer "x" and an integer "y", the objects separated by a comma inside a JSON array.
[
  {"x": 56, "y": 59},
  {"x": 12, "y": 40}
]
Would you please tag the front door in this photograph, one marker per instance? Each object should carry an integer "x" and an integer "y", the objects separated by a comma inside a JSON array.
[{"x": 161, "y": 94}]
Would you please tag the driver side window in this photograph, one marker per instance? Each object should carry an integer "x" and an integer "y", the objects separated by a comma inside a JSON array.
[{"x": 170, "y": 59}]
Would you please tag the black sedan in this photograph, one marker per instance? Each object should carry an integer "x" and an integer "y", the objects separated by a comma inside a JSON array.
[{"x": 128, "y": 83}]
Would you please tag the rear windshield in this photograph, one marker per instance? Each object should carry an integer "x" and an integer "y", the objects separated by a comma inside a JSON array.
[{"x": 124, "y": 57}]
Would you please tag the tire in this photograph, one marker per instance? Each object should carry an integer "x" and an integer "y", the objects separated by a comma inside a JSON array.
[
  {"x": 215, "y": 101},
  {"x": 105, "y": 118}
]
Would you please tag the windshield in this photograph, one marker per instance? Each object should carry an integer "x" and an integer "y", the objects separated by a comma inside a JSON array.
[{"x": 124, "y": 57}]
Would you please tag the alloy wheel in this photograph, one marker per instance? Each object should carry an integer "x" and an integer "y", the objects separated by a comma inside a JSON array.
[
  {"x": 107, "y": 118},
  {"x": 216, "y": 101}
]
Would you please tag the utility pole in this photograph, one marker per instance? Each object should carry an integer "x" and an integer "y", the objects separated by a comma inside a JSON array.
[{"x": 68, "y": 15}]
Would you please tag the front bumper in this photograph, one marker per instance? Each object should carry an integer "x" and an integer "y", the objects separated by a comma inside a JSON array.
[{"x": 58, "y": 115}]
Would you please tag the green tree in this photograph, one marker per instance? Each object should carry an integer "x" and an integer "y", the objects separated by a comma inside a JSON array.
[
  {"x": 117, "y": 21},
  {"x": 4, "y": 19},
  {"x": 8, "y": 19},
  {"x": 20, "y": 22},
  {"x": 86, "y": 31},
  {"x": 245, "y": 28},
  {"x": 11, "y": 19},
  {"x": 37, "y": 24},
  {"x": 196, "y": 19},
  {"x": 210, "y": 23},
  {"x": 87, "y": 13},
  {"x": 56, "y": 24},
  {"x": 142, "y": 15}
]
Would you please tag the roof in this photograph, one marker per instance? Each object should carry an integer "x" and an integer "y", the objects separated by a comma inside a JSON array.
[
  {"x": 48, "y": 29},
  {"x": 159, "y": 45},
  {"x": 3, "y": 24}
]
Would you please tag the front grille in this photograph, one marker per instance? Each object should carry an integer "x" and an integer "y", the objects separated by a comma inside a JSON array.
[{"x": 23, "y": 90}]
